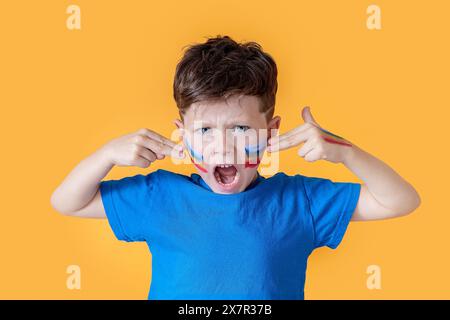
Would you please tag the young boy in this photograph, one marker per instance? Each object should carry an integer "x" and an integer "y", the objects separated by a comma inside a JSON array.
[{"x": 227, "y": 232}]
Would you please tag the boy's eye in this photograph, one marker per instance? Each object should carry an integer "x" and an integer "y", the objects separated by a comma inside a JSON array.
[
  {"x": 241, "y": 128},
  {"x": 204, "y": 130}
]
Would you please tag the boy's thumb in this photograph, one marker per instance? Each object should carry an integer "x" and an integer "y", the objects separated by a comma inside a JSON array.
[{"x": 307, "y": 116}]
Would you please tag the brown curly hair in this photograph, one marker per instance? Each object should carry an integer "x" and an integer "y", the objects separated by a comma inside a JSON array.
[{"x": 221, "y": 67}]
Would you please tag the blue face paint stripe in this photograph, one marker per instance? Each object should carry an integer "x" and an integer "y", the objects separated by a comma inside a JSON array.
[
  {"x": 194, "y": 154},
  {"x": 249, "y": 150},
  {"x": 254, "y": 149}
]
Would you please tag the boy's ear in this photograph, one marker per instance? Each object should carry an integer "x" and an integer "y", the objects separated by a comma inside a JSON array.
[
  {"x": 274, "y": 123},
  {"x": 179, "y": 124}
]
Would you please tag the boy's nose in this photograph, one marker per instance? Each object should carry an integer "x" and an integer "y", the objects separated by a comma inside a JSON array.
[
  {"x": 224, "y": 148},
  {"x": 223, "y": 145}
]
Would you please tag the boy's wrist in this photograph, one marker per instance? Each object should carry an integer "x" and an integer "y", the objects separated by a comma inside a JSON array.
[
  {"x": 104, "y": 155},
  {"x": 349, "y": 154}
]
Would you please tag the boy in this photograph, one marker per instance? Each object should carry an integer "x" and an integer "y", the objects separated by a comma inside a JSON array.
[{"x": 227, "y": 232}]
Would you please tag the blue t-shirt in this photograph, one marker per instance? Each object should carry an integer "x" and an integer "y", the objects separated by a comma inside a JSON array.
[{"x": 248, "y": 245}]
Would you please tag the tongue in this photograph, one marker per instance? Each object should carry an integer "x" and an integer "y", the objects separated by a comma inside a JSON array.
[{"x": 227, "y": 174}]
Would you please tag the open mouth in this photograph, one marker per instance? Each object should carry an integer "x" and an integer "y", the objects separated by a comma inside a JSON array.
[{"x": 226, "y": 174}]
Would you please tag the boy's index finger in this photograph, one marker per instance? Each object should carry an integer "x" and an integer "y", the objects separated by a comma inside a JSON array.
[
  {"x": 156, "y": 136},
  {"x": 170, "y": 148},
  {"x": 292, "y": 132},
  {"x": 161, "y": 146},
  {"x": 286, "y": 141},
  {"x": 173, "y": 151}
]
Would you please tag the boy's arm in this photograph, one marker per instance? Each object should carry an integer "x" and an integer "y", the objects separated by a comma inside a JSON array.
[
  {"x": 79, "y": 194},
  {"x": 384, "y": 193}
]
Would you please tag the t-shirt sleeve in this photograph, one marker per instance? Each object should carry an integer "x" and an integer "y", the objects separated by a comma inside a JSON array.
[
  {"x": 128, "y": 205},
  {"x": 331, "y": 205}
]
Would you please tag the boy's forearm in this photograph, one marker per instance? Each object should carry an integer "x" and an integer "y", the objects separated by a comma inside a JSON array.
[
  {"x": 82, "y": 183},
  {"x": 386, "y": 185}
]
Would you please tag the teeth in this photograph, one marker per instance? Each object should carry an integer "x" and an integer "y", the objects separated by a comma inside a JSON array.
[{"x": 225, "y": 165}]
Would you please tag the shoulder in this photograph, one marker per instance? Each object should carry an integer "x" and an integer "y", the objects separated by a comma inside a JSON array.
[
  {"x": 144, "y": 181},
  {"x": 302, "y": 179},
  {"x": 303, "y": 183},
  {"x": 166, "y": 174},
  {"x": 164, "y": 177},
  {"x": 283, "y": 182},
  {"x": 282, "y": 177}
]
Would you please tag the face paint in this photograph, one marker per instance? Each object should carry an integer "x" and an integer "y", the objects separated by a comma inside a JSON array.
[
  {"x": 195, "y": 155},
  {"x": 254, "y": 151},
  {"x": 249, "y": 151},
  {"x": 252, "y": 165},
  {"x": 331, "y": 138}
]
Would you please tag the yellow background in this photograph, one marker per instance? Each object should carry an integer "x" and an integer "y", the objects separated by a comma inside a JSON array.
[{"x": 65, "y": 93}]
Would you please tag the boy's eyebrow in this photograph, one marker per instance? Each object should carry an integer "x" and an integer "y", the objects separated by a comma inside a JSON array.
[
  {"x": 201, "y": 123},
  {"x": 239, "y": 122},
  {"x": 228, "y": 123}
]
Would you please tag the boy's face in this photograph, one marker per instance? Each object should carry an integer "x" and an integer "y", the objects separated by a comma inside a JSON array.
[{"x": 226, "y": 139}]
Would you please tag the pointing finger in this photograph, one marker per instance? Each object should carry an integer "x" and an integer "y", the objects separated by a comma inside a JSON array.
[
  {"x": 290, "y": 133},
  {"x": 288, "y": 142},
  {"x": 157, "y": 137},
  {"x": 160, "y": 148}
]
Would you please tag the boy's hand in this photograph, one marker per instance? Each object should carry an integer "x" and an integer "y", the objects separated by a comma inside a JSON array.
[
  {"x": 140, "y": 149},
  {"x": 319, "y": 143}
]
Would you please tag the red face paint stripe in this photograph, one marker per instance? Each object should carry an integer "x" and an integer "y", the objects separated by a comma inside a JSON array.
[
  {"x": 336, "y": 142},
  {"x": 252, "y": 165},
  {"x": 200, "y": 168},
  {"x": 197, "y": 165}
]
